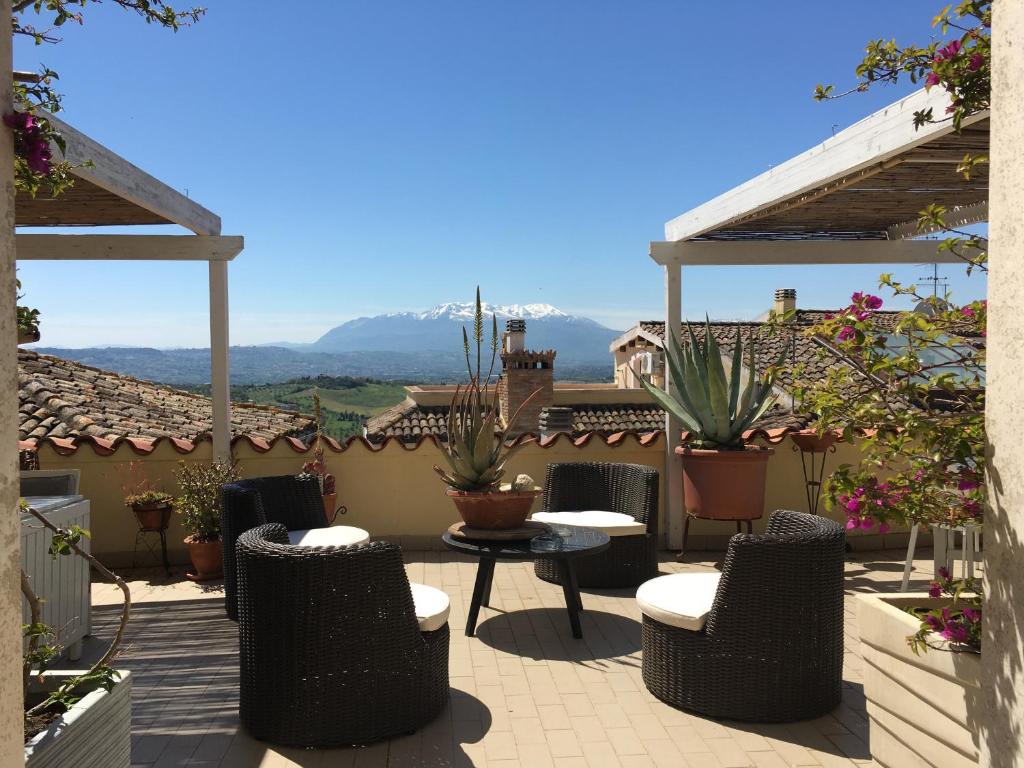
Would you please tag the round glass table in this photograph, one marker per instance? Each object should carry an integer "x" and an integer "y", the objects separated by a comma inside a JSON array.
[{"x": 563, "y": 545}]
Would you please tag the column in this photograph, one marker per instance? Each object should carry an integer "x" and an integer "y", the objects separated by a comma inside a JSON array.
[
  {"x": 673, "y": 427},
  {"x": 11, "y": 750},
  {"x": 220, "y": 387},
  {"x": 1001, "y": 718}
]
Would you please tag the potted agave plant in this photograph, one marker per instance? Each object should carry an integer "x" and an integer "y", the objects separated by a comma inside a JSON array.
[
  {"x": 723, "y": 478},
  {"x": 476, "y": 450}
]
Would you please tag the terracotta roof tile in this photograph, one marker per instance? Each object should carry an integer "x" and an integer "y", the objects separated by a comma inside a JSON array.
[{"x": 61, "y": 399}]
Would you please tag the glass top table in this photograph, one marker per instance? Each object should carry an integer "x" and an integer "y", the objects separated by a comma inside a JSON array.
[{"x": 563, "y": 545}]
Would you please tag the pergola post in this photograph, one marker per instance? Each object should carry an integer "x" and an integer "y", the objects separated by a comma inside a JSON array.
[
  {"x": 673, "y": 427},
  {"x": 11, "y": 711},
  {"x": 1001, "y": 709},
  {"x": 220, "y": 387}
]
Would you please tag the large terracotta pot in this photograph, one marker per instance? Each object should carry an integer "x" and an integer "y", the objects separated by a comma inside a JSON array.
[
  {"x": 725, "y": 485},
  {"x": 207, "y": 559},
  {"x": 153, "y": 517},
  {"x": 493, "y": 510}
]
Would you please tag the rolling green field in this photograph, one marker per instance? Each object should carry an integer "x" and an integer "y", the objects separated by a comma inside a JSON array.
[{"x": 346, "y": 401}]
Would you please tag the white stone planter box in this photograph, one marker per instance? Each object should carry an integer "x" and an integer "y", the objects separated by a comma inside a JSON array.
[
  {"x": 922, "y": 709},
  {"x": 94, "y": 733}
]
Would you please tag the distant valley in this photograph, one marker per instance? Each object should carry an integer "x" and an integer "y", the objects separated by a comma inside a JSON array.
[{"x": 420, "y": 347}]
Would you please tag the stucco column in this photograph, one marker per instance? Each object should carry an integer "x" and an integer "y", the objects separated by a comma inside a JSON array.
[
  {"x": 1001, "y": 715},
  {"x": 11, "y": 742},
  {"x": 673, "y": 426}
]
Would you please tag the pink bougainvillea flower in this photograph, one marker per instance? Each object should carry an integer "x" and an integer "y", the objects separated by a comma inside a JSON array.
[
  {"x": 872, "y": 302},
  {"x": 867, "y": 523},
  {"x": 846, "y": 333},
  {"x": 931, "y": 80},
  {"x": 883, "y": 527},
  {"x": 935, "y": 590},
  {"x": 853, "y": 505},
  {"x": 944, "y": 573},
  {"x": 951, "y": 50},
  {"x": 967, "y": 485},
  {"x": 976, "y": 62},
  {"x": 933, "y": 622},
  {"x": 972, "y": 615},
  {"x": 967, "y": 312},
  {"x": 955, "y": 632}
]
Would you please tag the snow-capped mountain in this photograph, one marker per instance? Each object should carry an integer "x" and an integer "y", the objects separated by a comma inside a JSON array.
[{"x": 439, "y": 330}]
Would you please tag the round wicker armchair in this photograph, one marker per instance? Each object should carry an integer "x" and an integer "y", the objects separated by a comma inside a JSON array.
[
  {"x": 629, "y": 489},
  {"x": 771, "y": 647},
  {"x": 295, "y": 502},
  {"x": 330, "y": 650}
]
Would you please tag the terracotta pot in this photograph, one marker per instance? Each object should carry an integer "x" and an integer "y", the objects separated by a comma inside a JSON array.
[
  {"x": 810, "y": 441},
  {"x": 207, "y": 559},
  {"x": 153, "y": 517},
  {"x": 493, "y": 510},
  {"x": 725, "y": 485},
  {"x": 330, "y": 499}
]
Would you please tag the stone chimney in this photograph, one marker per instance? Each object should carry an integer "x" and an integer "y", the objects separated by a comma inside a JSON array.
[
  {"x": 524, "y": 372},
  {"x": 785, "y": 300}
]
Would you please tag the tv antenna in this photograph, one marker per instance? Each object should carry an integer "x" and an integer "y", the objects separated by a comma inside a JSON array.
[{"x": 935, "y": 280}]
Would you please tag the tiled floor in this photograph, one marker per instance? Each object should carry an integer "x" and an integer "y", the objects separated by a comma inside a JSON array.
[{"x": 523, "y": 691}]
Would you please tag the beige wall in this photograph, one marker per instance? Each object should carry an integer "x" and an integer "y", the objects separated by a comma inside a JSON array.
[
  {"x": 10, "y": 560},
  {"x": 1001, "y": 718},
  {"x": 394, "y": 492}
]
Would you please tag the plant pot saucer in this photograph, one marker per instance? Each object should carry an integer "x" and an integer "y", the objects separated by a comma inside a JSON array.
[
  {"x": 528, "y": 530},
  {"x": 201, "y": 577}
]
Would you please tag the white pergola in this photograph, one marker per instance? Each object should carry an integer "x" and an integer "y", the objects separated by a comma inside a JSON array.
[
  {"x": 110, "y": 191},
  {"x": 853, "y": 199}
]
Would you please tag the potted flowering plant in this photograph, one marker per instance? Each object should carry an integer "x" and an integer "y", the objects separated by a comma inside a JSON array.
[
  {"x": 151, "y": 505},
  {"x": 917, "y": 390},
  {"x": 723, "y": 477},
  {"x": 318, "y": 466},
  {"x": 476, "y": 449}
]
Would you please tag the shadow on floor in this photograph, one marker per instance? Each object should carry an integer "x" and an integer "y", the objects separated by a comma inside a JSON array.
[{"x": 544, "y": 634}]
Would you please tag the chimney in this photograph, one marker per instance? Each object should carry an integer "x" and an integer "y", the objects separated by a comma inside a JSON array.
[
  {"x": 524, "y": 372},
  {"x": 556, "y": 420},
  {"x": 785, "y": 300}
]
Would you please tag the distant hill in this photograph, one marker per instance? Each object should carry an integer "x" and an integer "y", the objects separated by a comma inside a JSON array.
[{"x": 577, "y": 339}]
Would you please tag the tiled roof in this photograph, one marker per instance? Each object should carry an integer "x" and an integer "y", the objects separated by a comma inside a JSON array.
[
  {"x": 411, "y": 423},
  {"x": 61, "y": 399}
]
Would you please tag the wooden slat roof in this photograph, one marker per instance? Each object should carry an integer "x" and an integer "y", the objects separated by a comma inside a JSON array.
[{"x": 860, "y": 184}]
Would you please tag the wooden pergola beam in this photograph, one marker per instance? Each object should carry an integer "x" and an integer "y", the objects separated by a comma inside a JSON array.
[
  {"x": 113, "y": 173},
  {"x": 212, "y": 248},
  {"x": 722, "y": 253}
]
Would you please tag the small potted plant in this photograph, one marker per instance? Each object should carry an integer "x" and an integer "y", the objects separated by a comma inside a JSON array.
[
  {"x": 198, "y": 501},
  {"x": 318, "y": 466},
  {"x": 723, "y": 478},
  {"x": 476, "y": 449},
  {"x": 151, "y": 505},
  {"x": 28, "y": 321}
]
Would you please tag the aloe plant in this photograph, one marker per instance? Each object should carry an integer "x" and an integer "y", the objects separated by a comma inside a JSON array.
[
  {"x": 710, "y": 403},
  {"x": 476, "y": 452}
]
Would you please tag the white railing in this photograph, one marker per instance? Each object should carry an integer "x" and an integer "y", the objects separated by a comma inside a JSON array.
[{"x": 62, "y": 582}]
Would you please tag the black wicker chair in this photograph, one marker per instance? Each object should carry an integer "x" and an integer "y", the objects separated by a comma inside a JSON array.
[
  {"x": 329, "y": 646},
  {"x": 630, "y": 489},
  {"x": 295, "y": 502},
  {"x": 771, "y": 649}
]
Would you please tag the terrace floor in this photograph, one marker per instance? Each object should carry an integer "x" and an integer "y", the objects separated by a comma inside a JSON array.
[{"x": 524, "y": 692}]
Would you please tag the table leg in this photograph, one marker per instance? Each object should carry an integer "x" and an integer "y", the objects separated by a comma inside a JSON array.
[
  {"x": 484, "y": 572},
  {"x": 486, "y": 597},
  {"x": 571, "y": 591}
]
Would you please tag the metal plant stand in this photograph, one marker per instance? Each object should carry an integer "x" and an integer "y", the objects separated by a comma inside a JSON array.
[
  {"x": 814, "y": 450},
  {"x": 144, "y": 536}
]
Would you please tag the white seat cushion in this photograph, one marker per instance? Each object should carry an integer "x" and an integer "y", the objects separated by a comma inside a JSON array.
[
  {"x": 432, "y": 607},
  {"x": 612, "y": 523},
  {"x": 680, "y": 600},
  {"x": 335, "y": 536}
]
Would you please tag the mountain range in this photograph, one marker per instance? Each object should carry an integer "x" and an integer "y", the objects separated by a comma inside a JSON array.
[{"x": 408, "y": 346}]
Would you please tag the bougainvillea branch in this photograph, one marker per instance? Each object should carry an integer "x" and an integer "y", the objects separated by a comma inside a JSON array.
[{"x": 34, "y": 94}]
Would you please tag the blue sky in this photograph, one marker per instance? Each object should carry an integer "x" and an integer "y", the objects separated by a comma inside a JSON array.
[{"x": 390, "y": 156}]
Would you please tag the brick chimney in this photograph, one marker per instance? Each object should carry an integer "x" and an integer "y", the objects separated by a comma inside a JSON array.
[
  {"x": 523, "y": 373},
  {"x": 785, "y": 300}
]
